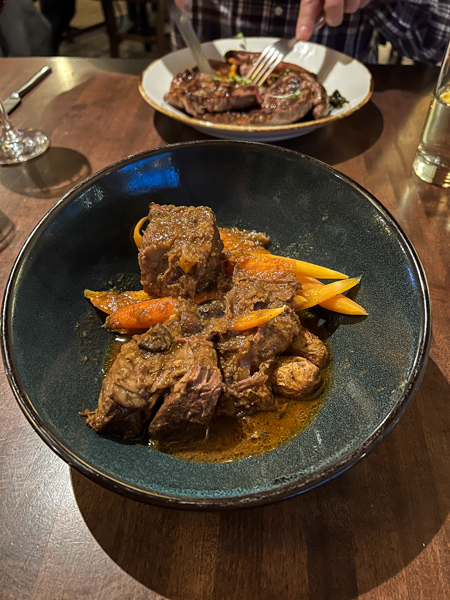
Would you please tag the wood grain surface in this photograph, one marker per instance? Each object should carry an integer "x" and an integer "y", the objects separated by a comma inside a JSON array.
[{"x": 379, "y": 531}]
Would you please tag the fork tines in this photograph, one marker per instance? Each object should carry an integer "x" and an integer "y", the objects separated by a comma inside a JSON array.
[
  {"x": 272, "y": 55},
  {"x": 268, "y": 60}
]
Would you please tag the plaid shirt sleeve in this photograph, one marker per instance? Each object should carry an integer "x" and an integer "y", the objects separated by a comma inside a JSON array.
[{"x": 418, "y": 29}]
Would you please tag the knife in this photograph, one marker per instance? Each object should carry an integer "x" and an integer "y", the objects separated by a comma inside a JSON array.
[
  {"x": 16, "y": 97},
  {"x": 190, "y": 37}
]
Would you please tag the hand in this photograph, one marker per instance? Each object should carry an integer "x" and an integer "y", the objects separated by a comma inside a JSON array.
[{"x": 332, "y": 10}]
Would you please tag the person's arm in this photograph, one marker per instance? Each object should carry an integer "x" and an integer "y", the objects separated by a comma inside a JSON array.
[
  {"x": 332, "y": 10},
  {"x": 418, "y": 29}
]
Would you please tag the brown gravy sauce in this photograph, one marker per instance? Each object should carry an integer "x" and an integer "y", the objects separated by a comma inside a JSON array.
[{"x": 229, "y": 439}]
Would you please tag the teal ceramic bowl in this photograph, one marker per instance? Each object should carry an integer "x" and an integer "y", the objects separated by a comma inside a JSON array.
[{"x": 54, "y": 348}]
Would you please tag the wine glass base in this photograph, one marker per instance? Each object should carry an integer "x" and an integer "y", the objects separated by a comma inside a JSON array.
[{"x": 22, "y": 147}]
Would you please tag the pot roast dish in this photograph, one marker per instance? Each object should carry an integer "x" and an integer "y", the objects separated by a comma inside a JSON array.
[
  {"x": 218, "y": 363},
  {"x": 290, "y": 93}
]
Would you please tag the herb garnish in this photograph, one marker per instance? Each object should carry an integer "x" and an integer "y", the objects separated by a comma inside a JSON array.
[
  {"x": 233, "y": 79},
  {"x": 241, "y": 36},
  {"x": 295, "y": 94},
  {"x": 337, "y": 100}
]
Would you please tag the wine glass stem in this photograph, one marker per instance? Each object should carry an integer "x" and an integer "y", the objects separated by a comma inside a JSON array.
[{"x": 8, "y": 128}]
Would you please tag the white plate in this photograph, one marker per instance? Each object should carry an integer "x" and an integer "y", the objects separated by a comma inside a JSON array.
[{"x": 333, "y": 69}]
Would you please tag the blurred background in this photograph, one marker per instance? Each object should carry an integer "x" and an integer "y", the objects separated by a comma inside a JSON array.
[
  {"x": 97, "y": 29},
  {"x": 137, "y": 29}
]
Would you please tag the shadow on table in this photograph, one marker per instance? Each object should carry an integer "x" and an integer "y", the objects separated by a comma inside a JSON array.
[
  {"x": 7, "y": 231},
  {"x": 50, "y": 175},
  {"x": 417, "y": 79},
  {"x": 337, "y": 541},
  {"x": 334, "y": 143}
]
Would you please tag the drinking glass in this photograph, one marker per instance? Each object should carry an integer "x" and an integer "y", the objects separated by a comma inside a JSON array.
[
  {"x": 432, "y": 160},
  {"x": 19, "y": 146}
]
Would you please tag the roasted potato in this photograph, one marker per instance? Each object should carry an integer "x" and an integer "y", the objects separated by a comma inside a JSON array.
[
  {"x": 309, "y": 346},
  {"x": 295, "y": 377}
]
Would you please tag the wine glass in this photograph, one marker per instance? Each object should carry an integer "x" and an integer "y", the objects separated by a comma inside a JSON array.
[{"x": 17, "y": 146}]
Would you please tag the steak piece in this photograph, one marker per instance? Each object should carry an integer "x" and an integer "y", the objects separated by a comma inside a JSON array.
[
  {"x": 199, "y": 93},
  {"x": 178, "y": 87},
  {"x": 286, "y": 101},
  {"x": 291, "y": 93},
  {"x": 245, "y": 60},
  {"x": 188, "y": 409},
  {"x": 180, "y": 250}
]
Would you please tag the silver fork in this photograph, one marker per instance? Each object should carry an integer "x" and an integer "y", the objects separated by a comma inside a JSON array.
[{"x": 272, "y": 55}]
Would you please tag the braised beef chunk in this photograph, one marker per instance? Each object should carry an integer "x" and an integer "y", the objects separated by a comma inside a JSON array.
[
  {"x": 189, "y": 405},
  {"x": 157, "y": 339},
  {"x": 215, "y": 316},
  {"x": 251, "y": 294},
  {"x": 289, "y": 94},
  {"x": 139, "y": 377},
  {"x": 174, "y": 378},
  {"x": 246, "y": 396},
  {"x": 126, "y": 399},
  {"x": 242, "y": 354},
  {"x": 188, "y": 409},
  {"x": 180, "y": 250}
]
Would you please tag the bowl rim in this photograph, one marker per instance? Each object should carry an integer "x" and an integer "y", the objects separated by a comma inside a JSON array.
[
  {"x": 298, "y": 126},
  {"x": 283, "y": 490}
]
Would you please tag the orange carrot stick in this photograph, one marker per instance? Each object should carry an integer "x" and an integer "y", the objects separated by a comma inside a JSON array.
[
  {"x": 255, "y": 318},
  {"x": 142, "y": 315},
  {"x": 267, "y": 268},
  {"x": 111, "y": 301},
  {"x": 344, "y": 305},
  {"x": 137, "y": 235},
  {"x": 320, "y": 294},
  {"x": 237, "y": 244},
  {"x": 307, "y": 269},
  {"x": 339, "y": 303},
  {"x": 256, "y": 264}
]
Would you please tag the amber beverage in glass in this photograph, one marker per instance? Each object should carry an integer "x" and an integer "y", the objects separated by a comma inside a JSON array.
[{"x": 432, "y": 160}]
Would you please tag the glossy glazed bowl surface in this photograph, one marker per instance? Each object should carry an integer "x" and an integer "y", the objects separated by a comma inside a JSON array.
[{"x": 54, "y": 346}]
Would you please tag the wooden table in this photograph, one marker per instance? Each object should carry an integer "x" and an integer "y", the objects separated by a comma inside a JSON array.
[{"x": 379, "y": 531}]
